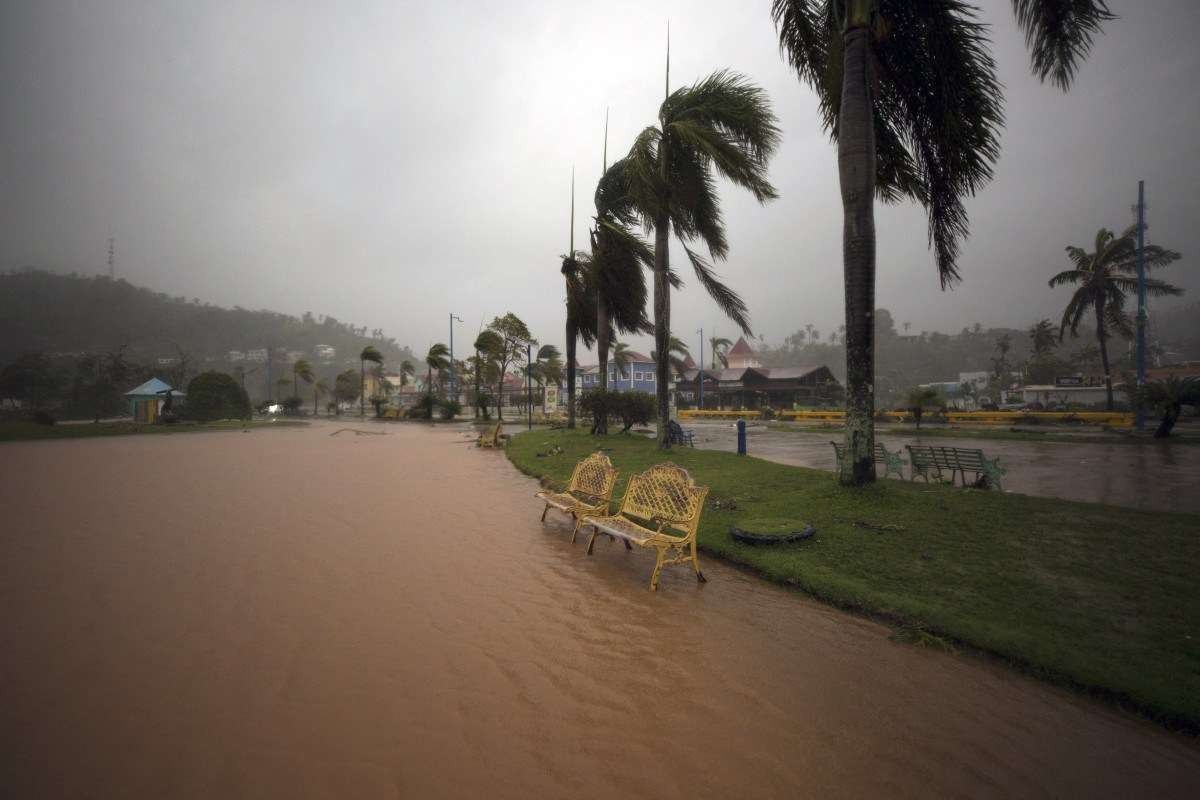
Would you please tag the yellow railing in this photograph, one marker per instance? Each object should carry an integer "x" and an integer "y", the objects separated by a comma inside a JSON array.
[{"x": 1115, "y": 418}]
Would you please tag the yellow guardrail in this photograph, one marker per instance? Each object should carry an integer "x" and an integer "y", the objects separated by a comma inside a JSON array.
[{"x": 1116, "y": 418}]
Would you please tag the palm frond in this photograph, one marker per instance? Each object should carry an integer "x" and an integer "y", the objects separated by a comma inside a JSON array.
[
  {"x": 730, "y": 303},
  {"x": 1070, "y": 276},
  {"x": 1059, "y": 34}
]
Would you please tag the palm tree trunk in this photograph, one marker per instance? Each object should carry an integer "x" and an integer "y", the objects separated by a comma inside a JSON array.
[
  {"x": 600, "y": 420},
  {"x": 478, "y": 375},
  {"x": 571, "y": 337},
  {"x": 362, "y": 388},
  {"x": 1102, "y": 335},
  {"x": 662, "y": 326},
  {"x": 1169, "y": 418},
  {"x": 856, "y": 173}
]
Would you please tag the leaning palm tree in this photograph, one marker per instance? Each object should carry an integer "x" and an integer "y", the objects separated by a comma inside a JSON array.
[
  {"x": 1167, "y": 397},
  {"x": 369, "y": 353},
  {"x": 320, "y": 389},
  {"x": 722, "y": 125},
  {"x": 1043, "y": 337},
  {"x": 616, "y": 281},
  {"x": 1103, "y": 278},
  {"x": 405, "y": 372},
  {"x": 621, "y": 355},
  {"x": 581, "y": 316},
  {"x": 437, "y": 358},
  {"x": 909, "y": 92},
  {"x": 719, "y": 346},
  {"x": 301, "y": 370},
  {"x": 547, "y": 368}
]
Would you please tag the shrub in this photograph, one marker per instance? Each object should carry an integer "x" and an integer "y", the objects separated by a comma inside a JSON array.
[
  {"x": 634, "y": 408},
  {"x": 423, "y": 408},
  {"x": 43, "y": 418},
  {"x": 766, "y": 412},
  {"x": 291, "y": 406},
  {"x": 598, "y": 404},
  {"x": 449, "y": 409},
  {"x": 215, "y": 395}
]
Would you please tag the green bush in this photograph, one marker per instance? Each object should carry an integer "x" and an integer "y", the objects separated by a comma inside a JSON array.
[
  {"x": 215, "y": 395},
  {"x": 423, "y": 408},
  {"x": 634, "y": 408},
  {"x": 291, "y": 406},
  {"x": 449, "y": 409}
]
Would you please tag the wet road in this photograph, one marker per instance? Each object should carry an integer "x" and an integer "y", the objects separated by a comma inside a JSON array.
[
  {"x": 286, "y": 613},
  {"x": 1158, "y": 476}
]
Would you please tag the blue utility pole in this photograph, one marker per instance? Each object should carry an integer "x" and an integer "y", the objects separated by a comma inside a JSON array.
[{"x": 1140, "y": 419}]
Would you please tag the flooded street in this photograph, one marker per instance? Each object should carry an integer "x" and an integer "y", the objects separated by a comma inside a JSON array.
[
  {"x": 286, "y": 613},
  {"x": 1160, "y": 476}
]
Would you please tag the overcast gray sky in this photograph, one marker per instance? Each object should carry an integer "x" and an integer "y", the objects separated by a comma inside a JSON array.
[{"x": 390, "y": 162}]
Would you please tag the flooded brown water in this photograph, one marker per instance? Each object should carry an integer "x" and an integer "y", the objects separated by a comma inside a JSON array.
[{"x": 292, "y": 614}]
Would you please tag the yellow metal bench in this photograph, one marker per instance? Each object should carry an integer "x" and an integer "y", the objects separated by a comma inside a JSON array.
[
  {"x": 589, "y": 491},
  {"x": 492, "y": 438},
  {"x": 665, "y": 497}
]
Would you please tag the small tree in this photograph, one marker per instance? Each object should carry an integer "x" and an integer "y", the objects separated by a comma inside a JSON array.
[
  {"x": 514, "y": 337},
  {"x": 346, "y": 388},
  {"x": 369, "y": 353},
  {"x": 215, "y": 395},
  {"x": 919, "y": 398},
  {"x": 1168, "y": 397}
]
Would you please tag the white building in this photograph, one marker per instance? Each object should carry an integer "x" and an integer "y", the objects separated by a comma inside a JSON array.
[
  {"x": 235, "y": 355},
  {"x": 325, "y": 353},
  {"x": 258, "y": 356}
]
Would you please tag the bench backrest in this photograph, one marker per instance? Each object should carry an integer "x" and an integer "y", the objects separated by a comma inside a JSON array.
[
  {"x": 665, "y": 493},
  {"x": 953, "y": 458},
  {"x": 839, "y": 450},
  {"x": 595, "y": 477}
]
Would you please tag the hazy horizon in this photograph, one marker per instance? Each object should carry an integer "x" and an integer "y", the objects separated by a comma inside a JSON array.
[{"x": 390, "y": 164}]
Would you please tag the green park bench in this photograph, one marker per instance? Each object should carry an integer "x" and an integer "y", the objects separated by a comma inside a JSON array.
[
  {"x": 926, "y": 459},
  {"x": 891, "y": 461}
]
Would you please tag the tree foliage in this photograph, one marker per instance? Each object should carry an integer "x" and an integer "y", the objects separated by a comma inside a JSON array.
[{"x": 216, "y": 395}]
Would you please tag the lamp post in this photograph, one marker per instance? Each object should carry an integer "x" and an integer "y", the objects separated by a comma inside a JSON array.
[
  {"x": 453, "y": 376},
  {"x": 1140, "y": 419},
  {"x": 529, "y": 383},
  {"x": 700, "y": 374}
]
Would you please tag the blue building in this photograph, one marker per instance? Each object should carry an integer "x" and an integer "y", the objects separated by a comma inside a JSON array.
[{"x": 637, "y": 375}]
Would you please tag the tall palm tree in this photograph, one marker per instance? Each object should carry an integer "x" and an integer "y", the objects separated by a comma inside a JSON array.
[
  {"x": 437, "y": 358},
  {"x": 320, "y": 389},
  {"x": 369, "y": 353},
  {"x": 616, "y": 280},
  {"x": 1103, "y": 277},
  {"x": 718, "y": 346},
  {"x": 909, "y": 91},
  {"x": 405, "y": 372},
  {"x": 301, "y": 370},
  {"x": 581, "y": 316},
  {"x": 722, "y": 125}
]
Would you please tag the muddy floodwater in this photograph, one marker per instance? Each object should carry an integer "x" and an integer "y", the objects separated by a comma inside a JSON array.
[{"x": 286, "y": 613}]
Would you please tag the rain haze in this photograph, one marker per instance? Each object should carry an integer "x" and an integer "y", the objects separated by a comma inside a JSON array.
[{"x": 390, "y": 163}]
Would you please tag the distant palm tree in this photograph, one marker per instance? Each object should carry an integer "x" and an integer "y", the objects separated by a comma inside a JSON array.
[
  {"x": 437, "y": 358},
  {"x": 722, "y": 125},
  {"x": 620, "y": 357},
  {"x": 301, "y": 370},
  {"x": 909, "y": 91},
  {"x": 546, "y": 368},
  {"x": 1043, "y": 336},
  {"x": 581, "y": 316},
  {"x": 1104, "y": 277},
  {"x": 320, "y": 389},
  {"x": 719, "y": 346},
  {"x": 369, "y": 353},
  {"x": 676, "y": 356},
  {"x": 405, "y": 372}
]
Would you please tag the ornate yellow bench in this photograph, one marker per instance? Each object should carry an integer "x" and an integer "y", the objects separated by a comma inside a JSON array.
[
  {"x": 492, "y": 438},
  {"x": 666, "y": 497},
  {"x": 589, "y": 491}
]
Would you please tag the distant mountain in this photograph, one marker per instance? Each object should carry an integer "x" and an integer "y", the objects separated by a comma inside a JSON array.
[{"x": 46, "y": 312}]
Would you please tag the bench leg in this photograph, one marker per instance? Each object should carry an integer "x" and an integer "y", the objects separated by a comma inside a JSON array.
[
  {"x": 575, "y": 532},
  {"x": 696, "y": 565},
  {"x": 592, "y": 540},
  {"x": 544, "y": 510},
  {"x": 658, "y": 565}
]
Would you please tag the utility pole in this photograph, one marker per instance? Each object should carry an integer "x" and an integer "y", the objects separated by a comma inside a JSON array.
[
  {"x": 453, "y": 374},
  {"x": 112, "y": 257},
  {"x": 529, "y": 383},
  {"x": 700, "y": 374},
  {"x": 1140, "y": 418}
]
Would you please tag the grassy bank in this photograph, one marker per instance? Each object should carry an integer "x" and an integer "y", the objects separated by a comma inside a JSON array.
[
  {"x": 1050, "y": 434},
  {"x": 24, "y": 431},
  {"x": 1096, "y": 597}
]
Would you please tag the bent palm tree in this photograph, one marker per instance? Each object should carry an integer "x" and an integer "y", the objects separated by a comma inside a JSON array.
[
  {"x": 676, "y": 355},
  {"x": 581, "y": 316},
  {"x": 1042, "y": 337},
  {"x": 620, "y": 357},
  {"x": 1103, "y": 278},
  {"x": 369, "y": 353},
  {"x": 909, "y": 92},
  {"x": 722, "y": 125},
  {"x": 1168, "y": 398},
  {"x": 718, "y": 346},
  {"x": 301, "y": 370},
  {"x": 437, "y": 358}
]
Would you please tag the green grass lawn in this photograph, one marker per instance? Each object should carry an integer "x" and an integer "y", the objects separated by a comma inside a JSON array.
[
  {"x": 12, "y": 431},
  {"x": 1100, "y": 598},
  {"x": 1050, "y": 434}
]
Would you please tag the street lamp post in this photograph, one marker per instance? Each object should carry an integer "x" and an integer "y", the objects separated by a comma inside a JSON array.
[
  {"x": 529, "y": 383},
  {"x": 700, "y": 374},
  {"x": 453, "y": 375}
]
